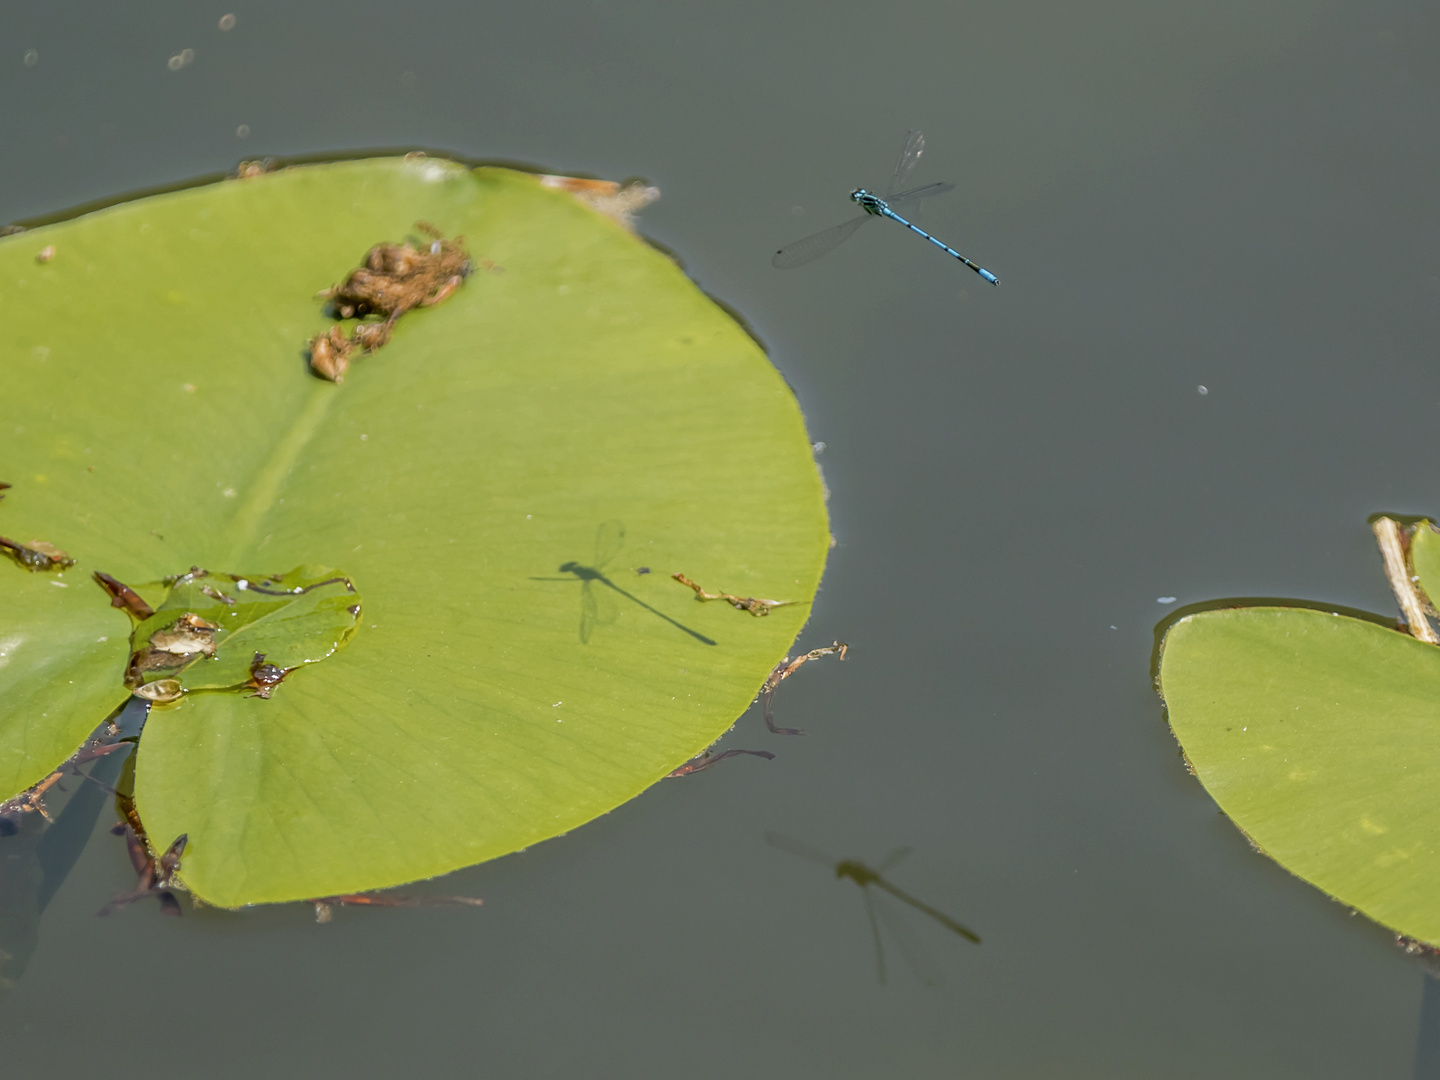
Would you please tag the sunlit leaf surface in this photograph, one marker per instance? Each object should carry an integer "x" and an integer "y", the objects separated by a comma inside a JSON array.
[
  {"x": 1319, "y": 735},
  {"x": 492, "y": 481}
]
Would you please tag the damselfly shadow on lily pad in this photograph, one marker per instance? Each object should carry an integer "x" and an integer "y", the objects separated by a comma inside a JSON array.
[{"x": 598, "y": 608}]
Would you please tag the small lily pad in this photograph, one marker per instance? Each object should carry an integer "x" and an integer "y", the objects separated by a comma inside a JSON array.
[
  {"x": 211, "y": 627},
  {"x": 1319, "y": 735}
]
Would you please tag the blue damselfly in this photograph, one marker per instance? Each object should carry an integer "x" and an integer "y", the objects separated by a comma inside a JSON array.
[{"x": 812, "y": 247}]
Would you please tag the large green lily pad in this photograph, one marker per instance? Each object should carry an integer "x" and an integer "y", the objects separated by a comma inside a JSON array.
[
  {"x": 1319, "y": 735},
  {"x": 158, "y": 415}
]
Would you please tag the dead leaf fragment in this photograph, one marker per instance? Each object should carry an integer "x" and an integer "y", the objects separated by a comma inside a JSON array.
[
  {"x": 189, "y": 635},
  {"x": 783, "y": 671},
  {"x": 124, "y": 597},
  {"x": 160, "y": 691},
  {"x": 169, "y": 650},
  {"x": 264, "y": 677},
  {"x": 397, "y": 277},
  {"x": 157, "y": 877},
  {"x": 330, "y": 354},
  {"x": 755, "y": 605},
  {"x": 37, "y": 555},
  {"x": 620, "y": 202},
  {"x": 248, "y": 170}
]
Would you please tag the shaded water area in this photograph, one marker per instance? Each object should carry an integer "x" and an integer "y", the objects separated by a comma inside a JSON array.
[{"x": 1213, "y": 356}]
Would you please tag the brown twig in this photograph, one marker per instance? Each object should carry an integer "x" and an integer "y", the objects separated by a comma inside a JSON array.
[
  {"x": 32, "y": 799},
  {"x": 37, "y": 555},
  {"x": 124, "y": 597},
  {"x": 156, "y": 876},
  {"x": 757, "y": 606},
  {"x": 1389, "y": 535},
  {"x": 783, "y": 671}
]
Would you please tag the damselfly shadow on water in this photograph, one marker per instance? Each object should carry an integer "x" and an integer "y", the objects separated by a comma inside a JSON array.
[
  {"x": 878, "y": 913},
  {"x": 598, "y": 608}
]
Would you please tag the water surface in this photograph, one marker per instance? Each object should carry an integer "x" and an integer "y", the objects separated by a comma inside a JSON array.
[{"x": 1199, "y": 194}]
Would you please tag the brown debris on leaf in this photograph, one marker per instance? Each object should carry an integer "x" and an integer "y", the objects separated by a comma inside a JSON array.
[
  {"x": 170, "y": 649},
  {"x": 757, "y": 606},
  {"x": 330, "y": 354},
  {"x": 265, "y": 677},
  {"x": 161, "y": 691},
  {"x": 216, "y": 594},
  {"x": 124, "y": 597},
  {"x": 37, "y": 555},
  {"x": 398, "y": 277},
  {"x": 187, "y": 636},
  {"x": 248, "y": 170},
  {"x": 783, "y": 671},
  {"x": 393, "y": 279},
  {"x": 618, "y": 201}
]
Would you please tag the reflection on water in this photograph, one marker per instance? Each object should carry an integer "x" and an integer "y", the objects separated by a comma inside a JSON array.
[
  {"x": 1427, "y": 1045},
  {"x": 1427, "y": 1040},
  {"x": 707, "y": 759},
  {"x": 325, "y": 905},
  {"x": 154, "y": 877},
  {"x": 865, "y": 877},
  {"x": 598, "y": 608},
  {"x": 37, "y": 854},
  {"x": 782, "y": 671}
]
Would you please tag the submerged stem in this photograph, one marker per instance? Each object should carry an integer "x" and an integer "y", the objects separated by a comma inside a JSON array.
[{"x": 1392, "y": 549}]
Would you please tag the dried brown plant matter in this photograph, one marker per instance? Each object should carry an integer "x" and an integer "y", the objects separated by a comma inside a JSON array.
[{"x": 393, "y": 279}]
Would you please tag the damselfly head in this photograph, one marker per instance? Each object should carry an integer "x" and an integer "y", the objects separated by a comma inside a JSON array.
[{"x": 871, "y": 204}]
